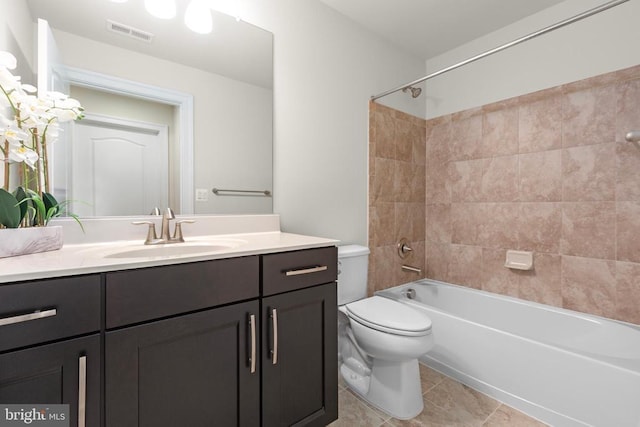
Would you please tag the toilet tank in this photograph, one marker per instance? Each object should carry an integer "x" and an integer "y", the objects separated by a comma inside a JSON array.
[{"x": 353, "y": 264}]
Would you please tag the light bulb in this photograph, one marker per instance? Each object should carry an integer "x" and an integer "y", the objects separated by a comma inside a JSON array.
[
  {"x": 163, "y": 9},
  {"x": 198, "y": 17}
]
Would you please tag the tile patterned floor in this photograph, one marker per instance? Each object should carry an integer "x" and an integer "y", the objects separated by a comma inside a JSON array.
[{"x": 446, "y": 403}]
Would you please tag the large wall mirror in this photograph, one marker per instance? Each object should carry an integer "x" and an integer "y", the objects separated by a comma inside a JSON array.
[{"x": 170, "y": 114}]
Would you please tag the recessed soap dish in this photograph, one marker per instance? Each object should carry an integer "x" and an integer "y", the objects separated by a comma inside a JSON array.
[{"x": 519, "y": 260}]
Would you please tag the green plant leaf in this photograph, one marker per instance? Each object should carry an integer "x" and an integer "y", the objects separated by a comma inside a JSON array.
[
  {"x": 50, "y": 202},
  {"x": 38, "y": 207},
  {"x": 20, "y": 195},
  {"x": 10, "y": 213},
  {"x": 77, "y": 218}
]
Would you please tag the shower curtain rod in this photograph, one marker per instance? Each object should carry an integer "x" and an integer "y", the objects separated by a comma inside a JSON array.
[{"x": 530, "y": 36}]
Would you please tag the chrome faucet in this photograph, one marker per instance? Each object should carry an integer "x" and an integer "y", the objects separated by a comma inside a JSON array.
[
  {"x": 167, "y": 216},
  {"x": 165, "y": 235}
]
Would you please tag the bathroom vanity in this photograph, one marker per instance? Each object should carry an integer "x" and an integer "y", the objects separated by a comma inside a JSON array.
[{"x": 241, "y": 337}]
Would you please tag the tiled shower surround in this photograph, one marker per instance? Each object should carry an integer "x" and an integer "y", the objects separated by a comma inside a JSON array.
[{"x": 548, "y": 172}]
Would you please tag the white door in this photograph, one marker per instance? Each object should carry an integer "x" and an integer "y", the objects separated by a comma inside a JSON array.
[{"x": 119, "y": 167}]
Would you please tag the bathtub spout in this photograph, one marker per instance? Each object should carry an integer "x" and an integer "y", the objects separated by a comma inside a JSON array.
[{"x": 412, "y": 269}]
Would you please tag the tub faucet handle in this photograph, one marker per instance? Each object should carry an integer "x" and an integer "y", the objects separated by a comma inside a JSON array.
[{"x": 404, "y": 250}]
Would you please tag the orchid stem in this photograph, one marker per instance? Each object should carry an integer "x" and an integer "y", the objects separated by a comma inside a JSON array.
[{"x": 7, "y": 171}]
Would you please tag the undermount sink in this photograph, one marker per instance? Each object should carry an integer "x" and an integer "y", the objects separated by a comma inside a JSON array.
[
  {"x": 139, "y": 250},
  {"x": 161, "y": 250}
]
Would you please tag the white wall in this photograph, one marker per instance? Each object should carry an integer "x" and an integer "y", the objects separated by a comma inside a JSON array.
[
  {"x": 602, "y": 43},
  {"x": 17, "y": 35},
  {"x": 326, "y": 69}
]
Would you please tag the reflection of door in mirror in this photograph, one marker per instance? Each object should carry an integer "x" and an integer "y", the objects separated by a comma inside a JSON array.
[
  {"x": 119, "y": 167},
  {"x": 138, "y": 117}
]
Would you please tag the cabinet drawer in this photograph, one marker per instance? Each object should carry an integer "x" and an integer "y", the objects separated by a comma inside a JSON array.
[
  {"x": 134, "y": 296},
  {"x": 289, "y": 271},
  {"x": 46, "y": 310}
]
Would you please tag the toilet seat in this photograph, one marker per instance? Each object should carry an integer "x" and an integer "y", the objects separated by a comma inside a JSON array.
[{"x": 386, "y": 315}]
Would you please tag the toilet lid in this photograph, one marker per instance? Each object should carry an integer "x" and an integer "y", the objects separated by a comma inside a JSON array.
[{"x": 389, "y": 316}]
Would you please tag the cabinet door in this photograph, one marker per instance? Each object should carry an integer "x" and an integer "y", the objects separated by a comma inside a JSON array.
[
  {"x": 299, "y": 357},
  {"x": 67, "y": 372},
  {"x": 194, "y": 370}
]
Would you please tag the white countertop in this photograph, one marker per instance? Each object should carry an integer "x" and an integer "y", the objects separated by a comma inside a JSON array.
[
  {"x": 93, "y": 250},
  {"x": 88, "y": 258}
]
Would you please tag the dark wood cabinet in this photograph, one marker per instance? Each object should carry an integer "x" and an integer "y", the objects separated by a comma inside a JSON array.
[
  {"x": 299, "y": 357},
  {"x": 50, "y": 345},
  {"x": 299, "y": 350},
  {"x": 176, "y": 354},
  {"x": 40, "y": 311},
  {"x": 192, "y": 370},
  {"x": 135, "y": 296},
  {"x": 67, "y": 372},
  {"x": 244, "y": 341}
]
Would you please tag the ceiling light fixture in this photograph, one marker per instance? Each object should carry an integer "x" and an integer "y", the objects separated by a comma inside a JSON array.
[
  {"x": 198, "y": 17},
  {"x": 163, "y": 9}
]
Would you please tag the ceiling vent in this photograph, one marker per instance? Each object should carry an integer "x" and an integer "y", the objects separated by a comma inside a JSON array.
[{"x": 127, "y": 30}]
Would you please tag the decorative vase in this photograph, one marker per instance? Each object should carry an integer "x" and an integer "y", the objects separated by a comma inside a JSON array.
[{"x": 30, "y": 240}]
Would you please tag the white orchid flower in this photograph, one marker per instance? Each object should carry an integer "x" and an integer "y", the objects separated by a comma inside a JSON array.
[
  {"x": 23, "y": 154},
  {"x": 53, "y": 131},
  {"x": 34, "y": 121},
  {"x": 48, "y": 127},
  {"x": 32, "y": 108},
  {"x": 66, "y": 115},
  {"x": 11, "y": 133},
  {"x": 56, "y": 96},
  {"x": 69, "y": 103},
  {"x": 8, "y": 81}
]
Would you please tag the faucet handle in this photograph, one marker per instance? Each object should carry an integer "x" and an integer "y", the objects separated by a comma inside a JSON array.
[
  {"x": 151, "y": 232},
  {"x": 177, "y": 233}
]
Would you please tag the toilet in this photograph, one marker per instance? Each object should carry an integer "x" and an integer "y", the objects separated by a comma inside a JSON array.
[{"x": 379, "y": 340}]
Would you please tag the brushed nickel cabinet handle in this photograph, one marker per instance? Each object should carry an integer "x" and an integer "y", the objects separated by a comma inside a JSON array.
[
  {"x": 82, "y": 391},
  {"x": 306, "y": 270},
  {"x": 274, "y": 322},
  {"x": 27, "y": 317},
  {"x": 252, "y": 358}
]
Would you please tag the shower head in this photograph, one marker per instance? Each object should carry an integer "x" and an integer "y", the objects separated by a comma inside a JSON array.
[{"x": 415, "y": 91}]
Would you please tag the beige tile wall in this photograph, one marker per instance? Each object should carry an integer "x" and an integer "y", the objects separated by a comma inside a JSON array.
[
  {"x": 396, "y": 194},
  {"x": 547, "y": 172}
]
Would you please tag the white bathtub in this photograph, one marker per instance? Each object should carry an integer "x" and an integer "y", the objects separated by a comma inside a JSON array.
[{"x": 559, "y": 366}]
